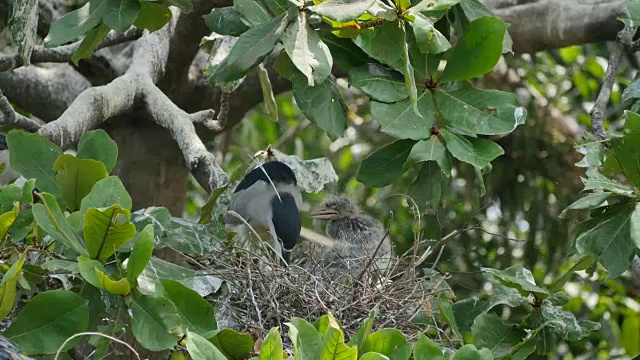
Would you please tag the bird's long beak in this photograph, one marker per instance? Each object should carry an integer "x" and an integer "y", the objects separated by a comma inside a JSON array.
[{"x": 323, "y": 213}]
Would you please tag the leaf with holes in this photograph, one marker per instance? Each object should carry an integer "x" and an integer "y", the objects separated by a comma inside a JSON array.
[
  {"x": 477, "y": 152},
  {"x": 486, "y": 112},
  {"x": 106, "y": 230},
  {"x": 384, "y": 165}
]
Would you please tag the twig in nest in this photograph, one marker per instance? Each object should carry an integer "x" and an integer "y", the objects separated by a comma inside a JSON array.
[{"x": 375, "y": 252}]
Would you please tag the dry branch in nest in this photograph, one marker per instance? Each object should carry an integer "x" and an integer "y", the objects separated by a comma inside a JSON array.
[{"x": 262, "y": 294}]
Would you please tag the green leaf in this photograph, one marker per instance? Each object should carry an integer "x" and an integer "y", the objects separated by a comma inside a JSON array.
[
  {"x": 342, "y": 10},
  {"x": 385, "y": 342},
  {"x": 399, "y": 119},
  {"x": 383, "y": 44},
  {"x": 363, "y": 332},
  {"x": 633, "y": 90},
  {"x": 322, "y": 104},
  {"x": 89, "y": 43},
  {"x": 98, "y": 145},
  {"x": 121, "y": 17},
  {"x": 595, "y": 180},
  {"x": 234, "y": 345},
  {"x": 565, "y": 323},
  {"x": 196, "y": 313},
  {"x": 33, "y": 156},
  {"x": 609, "y": 238},
  {"x": 277, "y": 7},
  {"x": 334, "y": 347},
  {"x": 409, "y": 75},
  {"x": 592, "y": 151},
  {"x": 270, "y": 106},
  {"x": 271, "y": 348},
  {"x": 379, "y": 83},
  {"x": 518, "y": 278},
  {"x": 487, "y": 112},
  {"x": 582, "y": 264},
  {"x": 627, "y": 149},
  {"x": 431, "y": 149},
  {"x": 106, "y": 230},
  {"x": 629, "y": 334},
  {"x": 76, "y": 177},
  {"x": 106, "y": 193},
  {"x": 153, "y": 16},
  {"x": 482, "y": 41},
  {"x": 152, "y": 322},
  {"x": 426, "y": 349},
  {"x": 589, "y": 202},
  {"x": 201, "y": 349},
  {"x": 7, "y": 220},
  {"x": 252, "y": 11},
  {"x": 373, "y": 356},
  {"x": 116, "y": 287},
  {"x": 8, "y": 285},
  {"x": 489, "y": 331},
  {"x": 198, "y": 281},
  {"x": 51, "y": 219},
  {"x": 78, "y": 22},
  {"x": 426, "y": 189},
  {"x": 225, "y": 21},
  {"x": 631, "y": 17},
  {"x": 446, "y": 311},
  {"x": 475, "y": 9},
  {"x": 141, "y": 253},
  {"x": 384, "y": 165},
  {"x": 428, "y": 38},
  {"x": 88, "y": 269},
  {"x": 477, "y": 152},
  {"x": 345, "y": 53},
  {"x": 434, "y": 5},
  {"x": 250, "y": 49},
  {"x": 307, "y": 341},
  {"x": 308, "y": 53},
  {"x": 470, "y": 352},
  {"x": 48, "y": 320}
]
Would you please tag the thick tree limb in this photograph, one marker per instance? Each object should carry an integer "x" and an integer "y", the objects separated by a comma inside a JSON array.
[
  {"x": 624, "y": 42},
  {"x": 9, "y": 116},
  {"x": 63, "y": 53}
]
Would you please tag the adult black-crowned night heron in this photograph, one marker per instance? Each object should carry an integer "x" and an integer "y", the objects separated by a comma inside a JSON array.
[
  {"x": 357, "y": 235},
  {"x": 268, "y": 198}
]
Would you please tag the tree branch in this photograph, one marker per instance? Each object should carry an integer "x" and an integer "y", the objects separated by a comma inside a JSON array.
[
  {"x": 624, "y": 41},
  {"x": 63, "y": 53},
  {"x": 9, "y": 116}
]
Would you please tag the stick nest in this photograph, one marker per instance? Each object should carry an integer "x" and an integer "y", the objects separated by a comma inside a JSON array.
[{"x": 262, "y": 294}]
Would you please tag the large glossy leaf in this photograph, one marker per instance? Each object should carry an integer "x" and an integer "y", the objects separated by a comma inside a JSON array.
[
  {"x": 345, "y": 53},
  {"x": 252, "y": 11},
  {"x": 141, "y": 254},
  {"x": 271, "y": 348},
  {"x": 8, "y": 285},
  {"x": 383, "y": 44},
  {"x": 363, "y": 332},
  {"x": 106, "y": 230},
  {"x": 115, "y": 287},
  {"x": 385, "y": 342},
  {"x": 225, "y": 21},
  {"x": 48, "y": 320},
  {"x": 518, "y": 278},
  {"x": 98, "y": 145},
  {"x": 482, "y": 42},
  {"x": 609, "y": 238},
  {"x": 87, "y": 268},
  {"x": 595, "y": 180},
  {"x": 582, "y": 264},
  {"x": 446, "y": 312},
  {"x": 234, "y": 345},
  {"x": 334, "y": 347},
  {"x": 322, "y": 104},
  {"x": 475, "y": 9},
  {"x": 426, "y": 189},
  {"x": 153, "y": 16},
  {"x": 196, "y": 313},
  {"x": 590, "y": 202},
  {"x": 201, "y": 349},
  {"x": 51, "y": 219},
  {"x": 489, "y": 331},
  {"x": 400, "y": 120},
  {"x": 76, "y": 23},
  {"x": 251, "y": 48},
  {"x": 342, "y": 10},
  {"x": 379, "y": 83},
  {"x": 76, "y": 177},
  {"x": 384, "y": 165},
  {"x": 307, "y": 341},
  {"x": 121, "y": 17},
  {"x": 477, "y": 152},
  {"x": 627, "y": 149},
  {"x": 89, "y": 43},
  {"x": 425, "y": 349},
  {"x": 487, "y": 112},
  {"x": 7, "y": 220},
  {"x": 106, "y": 193},
  {"x": 566, "y": 324},
  {"x": 33, "y": 156},
  {"x": 152, "y": 322},
  {"x": 307, "y": 51},
  {"x": 428, "y": 38},
  {"x": 471, "y": 352},
  {"x": 202, "y": 283},
  {"x": 431, "y": 149}
]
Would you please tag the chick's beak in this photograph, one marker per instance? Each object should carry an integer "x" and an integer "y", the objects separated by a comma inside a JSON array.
[{"x": 323, "y": 213}]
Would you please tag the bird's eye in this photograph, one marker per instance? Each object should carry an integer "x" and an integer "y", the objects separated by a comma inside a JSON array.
[{"x": 338, "y": 207}]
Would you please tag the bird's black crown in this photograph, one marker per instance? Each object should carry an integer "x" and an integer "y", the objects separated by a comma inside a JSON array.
[{"x": 279, "y": 172}]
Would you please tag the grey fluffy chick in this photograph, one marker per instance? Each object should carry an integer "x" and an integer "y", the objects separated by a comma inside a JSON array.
[{"x": 357, "y": 235}]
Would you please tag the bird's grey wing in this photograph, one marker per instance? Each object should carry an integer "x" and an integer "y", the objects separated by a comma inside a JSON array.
[{"x": 252, "y": 204}]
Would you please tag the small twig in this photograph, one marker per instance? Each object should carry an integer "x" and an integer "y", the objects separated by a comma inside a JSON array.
[
  {"x": 623, "y": 41},
  {"x": 95, "y": 334},
  {"x": 63, "y": 53},
  {"x": 373, "y": 256},
  {"x": 11, "y": 117},
  {"x": 253, "y": 298},
  {"x": 291, "y": 132}
]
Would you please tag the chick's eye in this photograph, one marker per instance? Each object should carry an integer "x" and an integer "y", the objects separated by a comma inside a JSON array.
[{"x": 338, "y": 207}]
